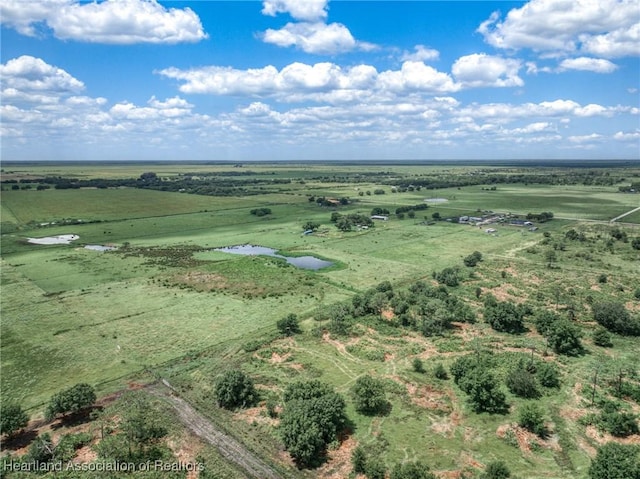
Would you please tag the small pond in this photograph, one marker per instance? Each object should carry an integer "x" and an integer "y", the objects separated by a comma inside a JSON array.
[{"x": 303, "y": 262}]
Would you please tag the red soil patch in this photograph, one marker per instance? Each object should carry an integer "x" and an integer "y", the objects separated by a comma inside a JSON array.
[
  {"x": 277, "y": 358},
  {"x": 604, "y": 437},
  {"x": 525, "y": 438},
  {"x": 257, "y": 415},
  {"x": 338, "y": 465},
  {"x": 387, "y": 314}
]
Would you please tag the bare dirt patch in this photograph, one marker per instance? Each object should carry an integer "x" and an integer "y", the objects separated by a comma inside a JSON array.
[
  {"x": 504, "y": 293},
  {"x": 256, "y": 415},
  {"x": 387, "y": 314},
  {"x": 201, "y": 281},
  {"x": 604, "y": 437},
  {"x": 186, "y": 449},
  {"x": 338, "y": 465}
]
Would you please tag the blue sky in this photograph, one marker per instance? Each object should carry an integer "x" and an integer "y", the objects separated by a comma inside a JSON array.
[{"x": 318, "y": 79}]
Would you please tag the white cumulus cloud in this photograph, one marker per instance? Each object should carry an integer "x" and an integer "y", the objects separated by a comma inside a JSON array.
[
  {"x": 28, "y": 74},
  {"x": 306, "y": 10},
  {"x": 597, "y": 65},
  {"x": 608, "y": 28},
  {"x": 110, "y": 22},
  {"x": 318, "y": 38},
  {"x": 421, "y": 53},
  {"x": 482, "y": 70}
]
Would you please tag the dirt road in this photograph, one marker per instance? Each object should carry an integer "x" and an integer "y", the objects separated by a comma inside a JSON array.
[{"x": 202, "y": 427}]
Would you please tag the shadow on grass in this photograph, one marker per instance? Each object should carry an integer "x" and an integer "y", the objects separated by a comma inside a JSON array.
[{"x": 19, "y": 440}]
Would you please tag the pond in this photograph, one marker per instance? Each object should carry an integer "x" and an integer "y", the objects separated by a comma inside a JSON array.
[
  {"x": 60, "y": 239},
  {"x": 303, "y": 262}
]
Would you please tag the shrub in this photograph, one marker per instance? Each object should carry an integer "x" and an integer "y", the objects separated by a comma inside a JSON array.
[
  {"x": 496, "y": 470},
  {"x": 601, "y": 337},
  {"x": 530, "y": 418},
  {"x": 417, "y": 365},
  {"x": 440, "y": 372},
  {"x": 522, "y": 383}
]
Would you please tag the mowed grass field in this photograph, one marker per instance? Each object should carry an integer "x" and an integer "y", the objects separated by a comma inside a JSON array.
[{"x": 165, "y": 302}]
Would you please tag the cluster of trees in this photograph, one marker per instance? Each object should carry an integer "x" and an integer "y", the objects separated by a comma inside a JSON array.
[
  {"x": 616, "y": 461},
  {"x": 260, "y": 211},
  {"x": 614, "y": 317},
  {"x": 540, "y": 217},
  {"x": 505, "y": 316},
  {"x": 311, "y": 226},
  {"x": 407, "y": 209},
  {"x": 421, "y": 307},
  {"x": 451, "y": 276},
  {"x": 472, "y": 373},
  {"x": 349, "y": 221},
  {"x": 323, "y": 201},
  {"x": 312, "y": 417},
  {"x": 473, "y": 259}
]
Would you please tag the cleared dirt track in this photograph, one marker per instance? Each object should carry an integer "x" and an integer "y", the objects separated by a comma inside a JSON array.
[{"x": 202, "y": 427}]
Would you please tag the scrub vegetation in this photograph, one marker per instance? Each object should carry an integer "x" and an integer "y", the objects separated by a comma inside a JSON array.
[{"x": 491, "y": 333}]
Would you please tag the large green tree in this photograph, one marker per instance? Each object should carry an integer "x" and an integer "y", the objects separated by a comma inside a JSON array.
[
  {"x": 369, "y": 396},
  {"x": 235, "y": 389},
  {"x": 313, "y": 416},
  {"x": 70, "y": 400}
]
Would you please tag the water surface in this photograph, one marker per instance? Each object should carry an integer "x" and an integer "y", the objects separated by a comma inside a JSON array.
[{"x": 302, "y": 262}]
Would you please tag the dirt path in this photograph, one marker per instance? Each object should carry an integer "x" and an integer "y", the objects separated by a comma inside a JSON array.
[
  {"x": 625, "y": 214},
  {"x": 202, "y": 427}
]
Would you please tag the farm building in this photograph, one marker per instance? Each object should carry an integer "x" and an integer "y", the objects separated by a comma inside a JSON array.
[{"x": 380, "y": 217}]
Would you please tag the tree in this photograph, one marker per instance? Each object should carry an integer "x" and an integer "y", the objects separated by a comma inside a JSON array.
[
  {"x": 496, "y": 470},
  {"x": 448, "y": 276},
  {"x": 473, "y": 259},
  {"x": 12, "y": 418},
  {"x": 411, "y": 470},
  {"x": 564, "y": 338},
  {"x": 288, "y": 325},
  {"x": 369, "y": 396},
  {"x": 235, "y": 389},
  {"x": 601, "y": 337},
  {"x": 483, "y": 393},
  {"x": 311, "y": 226},
  {"x": 504, "y": 316},
  {"x": 615, "y": 318},
  {"x": 531, "y": 418},
  {"x": 615, "y": 461},
  {"x": 522, "y": 383},
  {"x": 436, "y": 216},
  {"x": 313, "y": 416},
  {"x": 70, "y": 400}
]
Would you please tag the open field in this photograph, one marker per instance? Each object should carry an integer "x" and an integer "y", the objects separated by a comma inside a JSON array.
[{"x": 165, "y": 305}]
